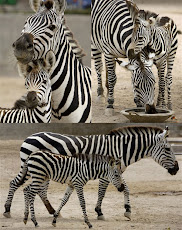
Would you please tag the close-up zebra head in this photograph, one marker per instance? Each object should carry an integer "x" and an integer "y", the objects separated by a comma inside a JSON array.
[
  {"x": 40, "y": 30},
  {"x": 37, "y": 80},
  {"x": 143, "y": 79},
  {"x": 142, "y": 32},
  {"x": 162, "y": 153}
]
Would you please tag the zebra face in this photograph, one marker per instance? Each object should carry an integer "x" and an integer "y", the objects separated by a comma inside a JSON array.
[
  {"x": 39, "y": 32},
  {"x": 37, "y": 80},
  {"x": 163, "y": 154}
]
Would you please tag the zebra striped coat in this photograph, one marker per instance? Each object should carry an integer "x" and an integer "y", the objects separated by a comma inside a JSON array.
[
  {"x": 160, "y": 34},
  {"x": 37, "y": 101},
  {"x": 75, "y": 171},
  {"x": 70, "y": 79},
  {"x": 130, "y": 143}
]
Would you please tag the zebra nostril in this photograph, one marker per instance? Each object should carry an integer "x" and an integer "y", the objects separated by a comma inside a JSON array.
[
  {"x": 136, "y": 100},
  {"x": 13, "y": 45}
]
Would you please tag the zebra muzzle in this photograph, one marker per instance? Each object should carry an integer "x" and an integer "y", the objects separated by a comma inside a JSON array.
[{"x": 175, "y": 169}]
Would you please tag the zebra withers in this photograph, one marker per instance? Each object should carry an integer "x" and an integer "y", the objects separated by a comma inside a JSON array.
[
  {"x": 35, "y": 106},
  {"x": 142, "y": 78},
  {"x": 160, "y": 34},
  {"x": 75, "y": 171},
  {"x": 129, "y": 143},
  {"x": 70, "y": 79}
]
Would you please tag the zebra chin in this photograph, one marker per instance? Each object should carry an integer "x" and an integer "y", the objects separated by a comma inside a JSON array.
[{"x": 174, "y": 170}]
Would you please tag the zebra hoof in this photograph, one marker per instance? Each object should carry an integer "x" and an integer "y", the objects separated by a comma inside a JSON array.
[
  {"x": 101, "y": 217},
  {"x": 7, "y": 214},
  {"x": 109, "y": 112},
  {"x": 101, "y": 99},
  {"x": 128, "y": 215},
  {"x": 25, "y": 221}
]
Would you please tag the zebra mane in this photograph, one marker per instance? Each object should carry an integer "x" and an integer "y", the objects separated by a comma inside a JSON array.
[
  {"x": 133, "y": 8},
  {"x": 77, "y": 50},
  {"x": 136, "y": 128}
]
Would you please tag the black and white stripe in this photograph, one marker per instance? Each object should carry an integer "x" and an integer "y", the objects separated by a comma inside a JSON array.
[
  {"x": 70, "y": 79},
  {"x": 160, "y": 34},
  {"x": 130, "y": 143},
  {"x": 75, "y": 171}
]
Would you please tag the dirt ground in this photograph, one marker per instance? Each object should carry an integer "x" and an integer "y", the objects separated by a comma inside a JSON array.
[
  {"x": 123, "y": 88},
  {"x": 155, "y": 198}
]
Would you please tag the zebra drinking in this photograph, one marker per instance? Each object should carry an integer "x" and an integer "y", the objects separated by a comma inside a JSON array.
[
  {"x": 142, "y": 78},
  {"x": 35, "y": 106},
  {"x": 75, "y": 171},
  {"x": 70, "y": 79},
  {"x": 160, "y": 34},
  {"x": 112, "y": 28},
  {"x": 129, "y": 143}
]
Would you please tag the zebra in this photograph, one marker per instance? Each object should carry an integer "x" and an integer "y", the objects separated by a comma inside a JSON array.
[
  {"x": 75, "y": 171},
  {"x": 35, "y": 106},
  {"x": 141, "y": 68},
  {"x": 160, "y": 34},
  {"x": 112, "y": 28},
  {"x": 129, "y": 143},
  {"x": 70, "y": 79}
]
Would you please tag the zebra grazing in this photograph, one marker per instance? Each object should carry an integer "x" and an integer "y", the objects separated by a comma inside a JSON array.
[
  {"x": 142, "y": 78},
  {"x": 35, "y": 107},
  {"x": 112, "y": 28},
  {"x": 160, "y": 33},
  {"x": 70, "y": 79},
  {"x": 129, "y": 143},
  {"x": 75, "y": 171}
]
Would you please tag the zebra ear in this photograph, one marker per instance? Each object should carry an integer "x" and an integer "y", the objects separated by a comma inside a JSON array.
[
  {"x": 165, "y": 133},
  {"x": 35, "y": 5},
  {"x": 112, "y": 162},
  {"x": 50, "y": 60},
  {"x": 60, "y": 6},
  {"x": 126, "y": 65}
]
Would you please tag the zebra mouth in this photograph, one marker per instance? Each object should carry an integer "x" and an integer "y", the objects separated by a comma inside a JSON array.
[
  {"x": 24, "y": 60},
  {"x": 174, "y": 170}
]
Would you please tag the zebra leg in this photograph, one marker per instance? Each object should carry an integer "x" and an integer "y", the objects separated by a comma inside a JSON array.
[
  {"x": 14, "y": 185},
  {"x": 79, "y": 190},
  {"x": 126, "y": 199},
  {"x": 31, "y": 191},
  {"x": 103, "y": 184},
  {"x": 43, "y": 195},
  {"x": 161, "y": 95},
  {"x": 111, "y": 81},
  {"x": 26, "y": 213},
  {"x": 66, "y": 197},
  {"x": 97, "y": 56}
]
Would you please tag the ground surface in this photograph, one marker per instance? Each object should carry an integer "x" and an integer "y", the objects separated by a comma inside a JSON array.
[
  {"x": 155, "y": 198},
  {"x": 123, "y": 88}
]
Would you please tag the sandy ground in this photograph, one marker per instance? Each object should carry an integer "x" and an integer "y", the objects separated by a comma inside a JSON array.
[
  {"x": 155, "y": 198},
  {"x": 123, "y": 88}
]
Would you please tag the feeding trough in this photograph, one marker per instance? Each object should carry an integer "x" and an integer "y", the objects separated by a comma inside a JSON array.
[{"x": 138, "y": 115}]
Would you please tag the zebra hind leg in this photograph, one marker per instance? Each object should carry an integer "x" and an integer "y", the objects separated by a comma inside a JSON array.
[
  {"x": 66, "y": 197},
  {"x": 126, "y": 200},
  {"x": 43, "y": 195},
  {"x": 103, "y": 184}
]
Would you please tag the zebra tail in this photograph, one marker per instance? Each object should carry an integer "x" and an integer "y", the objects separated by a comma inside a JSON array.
[{"x": 24, "y": 172}]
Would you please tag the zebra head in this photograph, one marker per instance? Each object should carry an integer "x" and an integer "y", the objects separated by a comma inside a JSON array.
[
  {"x": 142, "y": 32},
  {"x": 163, "y": 154},
  {"x": 40, "y": 30},
  {"x": 114, "y": 172},
  {"x": 37, "y": 80},
  {"x": 143, "y": 80}
]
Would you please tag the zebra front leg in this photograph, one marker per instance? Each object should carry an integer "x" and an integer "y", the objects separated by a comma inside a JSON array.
[
  {"x": 14, "y": 185},
  {"x": 66, "y": 197},
  {"x": 170, "y": 62},
  {"x": 126, "y": 199},
  {"x": 79, "y": 190},
  {"x": 103, "y": 184},
  {"x": 43, "y": 195},
  {"x": 110, "y": 82},
  {"x": 97, "y": 56}
]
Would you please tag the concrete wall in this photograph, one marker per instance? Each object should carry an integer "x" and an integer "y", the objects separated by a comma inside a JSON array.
[{"x": 10, "y": 29}]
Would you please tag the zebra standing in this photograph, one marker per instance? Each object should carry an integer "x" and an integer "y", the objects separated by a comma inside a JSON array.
[
  {"x": 141, "y": 68},
  {"x": 75, "y": 171},
  {"x": 112, "y": 28},
  {"x": 70, "y": 79},
  {"x": 35, "y": 107},
  {"x": 129, "y": 143},
  {"x": 160, "y": 34}
]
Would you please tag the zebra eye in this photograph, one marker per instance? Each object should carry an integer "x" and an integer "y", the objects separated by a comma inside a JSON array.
[
  {"x": 44, "y": 82},
  {"x": 52, "y": 27},
  {"x": 29, "y": 69}
]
